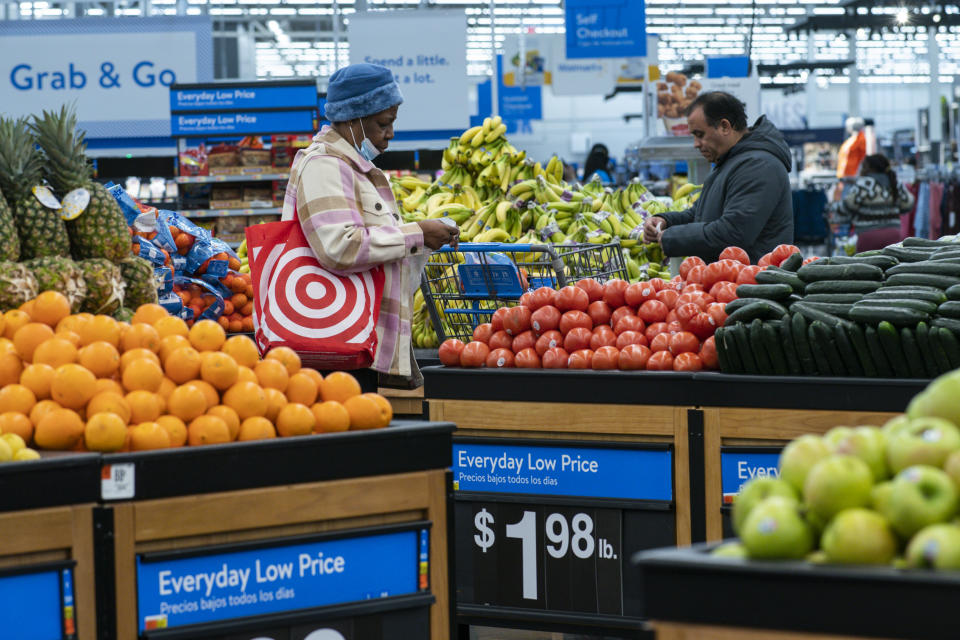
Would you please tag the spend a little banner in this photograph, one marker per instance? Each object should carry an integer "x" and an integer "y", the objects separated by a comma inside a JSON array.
[
  {"x": 116, "y": 70},
  {"x": 606, "y": 29}
]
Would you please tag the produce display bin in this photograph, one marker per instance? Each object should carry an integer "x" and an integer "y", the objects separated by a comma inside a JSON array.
[
  {"x": 277, "y": 539},
  {"x": 689, "y": 594}
]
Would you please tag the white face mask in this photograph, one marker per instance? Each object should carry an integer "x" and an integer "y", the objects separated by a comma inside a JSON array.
[{"x": 365, "y": 148}]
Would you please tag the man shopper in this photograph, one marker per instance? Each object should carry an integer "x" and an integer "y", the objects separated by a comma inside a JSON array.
[{"x": 745, "y": 201}]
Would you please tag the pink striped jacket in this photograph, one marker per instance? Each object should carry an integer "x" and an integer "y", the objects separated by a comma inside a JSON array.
[{"x": 350, "y": 218}]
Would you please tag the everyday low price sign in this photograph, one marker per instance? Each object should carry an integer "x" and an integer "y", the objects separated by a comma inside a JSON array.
[
  {"x": 214, "y": 98},
  {"x": 241, "y": 123},
  {"x": 739, "y": 467},
  {"x": 38, "y": 605}
]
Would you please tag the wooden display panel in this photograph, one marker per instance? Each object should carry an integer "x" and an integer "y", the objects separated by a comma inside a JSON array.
[
  {"x": 278, "y": 512},
  {"x": 405, "y": 402},
  {"x": 678, "y": 631}
]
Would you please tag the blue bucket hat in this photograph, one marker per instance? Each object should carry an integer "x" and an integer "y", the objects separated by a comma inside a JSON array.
[{"x": 360, "y": 90}]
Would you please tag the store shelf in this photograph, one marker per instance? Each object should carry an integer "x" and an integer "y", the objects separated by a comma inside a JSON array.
[
  {"x": 227, "y": 213},
  {"x": 249, "y": 177},
  {"x": 58, "y": 479}
]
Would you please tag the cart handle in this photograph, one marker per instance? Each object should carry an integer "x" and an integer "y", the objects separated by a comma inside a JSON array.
[{"x": 493, "y": 246}]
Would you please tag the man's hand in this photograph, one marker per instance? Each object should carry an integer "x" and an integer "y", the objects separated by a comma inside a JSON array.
[
  {"x": 436, "y": 234},
  {"x": 653, "y": 228}
]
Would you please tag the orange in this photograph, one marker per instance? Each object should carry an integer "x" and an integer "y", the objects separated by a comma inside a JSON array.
[
  {"x": 219, "y": 369},
  {"x": 183, "y": 365},
  {"x": 109, "y": 402},
  {"x": 187, "y": 402},
  {"x": 55, "y": 352},
  {"x": 149, "y": 435},
  {"x": 229, "y": 416},
  {"x": 149, "y": 313},
  {"x": 366, "y": 413},
  {"x": 73, "y": 323},
  {"x": 142, "y": 374},
  {"x": 339, "y": 386},
  {"x": 208, "y": 430},
  {"x": 176, "y": 429},
  {"x": 13, "y": 320},
  {"x": 137, "y": 354},
  {"x": 287, "y": 357},
  {"x": 246, "y": 374},
  {"x": 59, "y": 429},
  {"x": 171, "y": 326},
  {"x": 144, "y": 406},
  {"x": 41, "y": 409},
  {"x": 275, "y": 402},
  {"x": 207, "y": 335},
  {"x": 141, "y": 336},
  {"x": 247, "y": 399},
  {"x": 124, "y": 327},
  {"x": 170, "y": 344},
  {"x": 101, "y": 358},
  {"x": 3, "y": 324},
  {"x": 243, "y": 350},
  {"x": 29, "y": 337},
  {"x": 98, "y": 328},
  {"x": 27, "y": 307},
  {"x": 16, "y": 397},
  {"x": 108, "y": 384},
  {"x": 50, "y": 307},
  {"x": 72, "y": 386},
  {"x": 272, "y": 374},
  {"x": 105, "y": 432},
  {"x": 331, "y": 417},
  {"x": 70, "y": 336},
  {"x": 295, "y": 419},
  {"x": 213, "y": 398},
  {"x": 11, "y": 366},
  {"x": 314, "y": 375},
  {"x": 6, "y": 345},
  {"x": 385, "y": 406},
  {"x": 12, "y": 422},
  {"x": 302, "y": 389},
  {"x": 256, "y": 428},
  {"x": 37, "y": 378}
]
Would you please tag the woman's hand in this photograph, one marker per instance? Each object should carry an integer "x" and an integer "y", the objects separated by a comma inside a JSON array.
[
  {"x": 653, "y": 228},
  {"x": 436, "y": 234}
]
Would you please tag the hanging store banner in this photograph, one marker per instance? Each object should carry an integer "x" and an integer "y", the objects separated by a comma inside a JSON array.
[
  {"x": 431, "y": 71},
  {"x": 116, "y": 70},
  {"x": 606, "y": 29},
  {"x": 582, "y": 76},
  {"x": 538, "y": 54},
  {"x": 635, "y": 71},
  {"x": 746, "y": 89}
]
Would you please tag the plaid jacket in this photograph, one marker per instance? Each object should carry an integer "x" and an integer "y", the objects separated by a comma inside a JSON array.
[{"x": 350, "y": 218}]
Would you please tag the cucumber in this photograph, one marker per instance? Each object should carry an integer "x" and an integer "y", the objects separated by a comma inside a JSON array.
[
  {"x": 819, "y": 357},
  {"x": 871, "y": 252},
  {"x": 950, "y": 309},
  {"x": 950, "y": 345},
  {"x": 907, "y": 254},
  {"x": 904, "y": 303},
  {"x": 722, "y": 358},
  {"x": 947, "y": 323},
  {"x": 812, "y": 311},
  {"x": 770, "y": 333},
  {"x": 828, "y": 348},
  {"x": 764, "y": 310},
  {"x": 833, "y": 308},
  {"x": 800, "y": 332},
  {"x": 937, "y": 268},
  {"x": 841, "y": 298},
  {"x": 793, "y": 298},
  {"x": 890, "y": 341},
  {"x": 730, "y": 349},
  {"x": 930, "y": 294},
  {"x": 946, "y": 255},
  {"x": 815, "y": 272},
  {"x": 841, "y": 286},
  {"x": 859, "y": 342},
  {"x": 884, "y": 370},
  {"x": 882, "y": 261},
  {"x": 926, "y": 350},
  {"x": 793, "y": 262},
  {"x": 771, "y": 275},
  {"x": 938, "y": 337},
  {"x": 741, "y": 338},
  {"x": 923, "y": 279},
  {"x": 776, "y": 292},
  {"x": 912, "y": 352},
  {"x": 789, "y": 349},
  {"x": 878, "y": 311},
  {"x": 915, "y": 241},
  {"x": 845, "y": 348},
  {"x": 739, "y": 303},
  {"x": 760, "y": 353},
  {"x": 953, "y": 293}
]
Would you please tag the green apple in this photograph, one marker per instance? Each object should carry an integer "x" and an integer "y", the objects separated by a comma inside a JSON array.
[
  {"x": 859, "y": 536},
  {"x": 730, "y": 550},
  {"x": 952, "y": 467},
  {"x": 837, "y": 483},
  {"x": 921, "y": 496},
  {"x": 817, "y": 557},
  {"x": 880, "y": 496},
  {"x": 924, "y": 441},
  {"x": 776, "y": 530},
  {"x": 893, "y": 425},
  {"x": 935, "y": 547},
  {"x": 753, "y": 492},
  {"x": 939, "y": 399},
  {"x": 867, "y": 443},
  {"x": 798, "y": 457}
]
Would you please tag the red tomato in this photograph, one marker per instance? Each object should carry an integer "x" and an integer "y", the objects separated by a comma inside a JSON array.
[
  {"x": 450, "y": 352},
  {"x": 517, "y": 320},
  {"x": 606, "y": 358},
  {"x": 613, "y": 293},
  {"x": 527, "y": 359},
  {"x": 686, "y": 312},
  {"x": 766, "y": 260},
  {"x": 672, "y": 316},
  {"x": 593, "y": 288},
  {"x": 634, "y": 357},
  {"x": 719, "y": 271},
  {"x": 572, "y": 319},
  {"x": 661, "y": 342},
  {"x": 654, "y": 330},
  {"x": 474, "y": 354},
  {"x": 603, "y": 336},
  {"x": 638, "y": 293},
  {"x": 497, "y": 320},
  {"x": 727, "y": 293},
  {"x": 708, "y": 354},
  {"x": 629, "y": 323},
  {"x": 735, "y": 253},
  {"x": 690, "y": 263},
  {"x": 718, "y": 313},
  {"x": 715, "y": 289},
  {"x": 695, "y": 275},
  {"x": 748, "y": 275},
  {"x": 572, "y": 298},
  {"x": 525, "y": 300},
  {"x": 600, "y": 312},
  {"x": 577, "y": 338},
  {"x": 811, "y": 259},
  {"x": 525, "y": 340},
  {"x": 582, "y": 359},
  {"x": 696, "y": 297},
  {"x": 660, "y": 361},
  {"x": 658, "y": 284},
  {"x": 483, "y": 332},
  {"x": 674, "y": 327},
  {"x": 701, "y": 325},
  {"x": 687, "y": 361},
  {"x": 500, "y": 340},
  {"x": 677, "y": 283},
  {"x": 630, "y": 337},
  {"x": 540, "y": 298},
  {"x": 653, "y": 311},
  {"x": 781, "y": 252},
  {"x": 548, "y": 340},
  {"x": 555, "y": 358},
  {"x": 620, "y": 313},
  {"x": 668, "y": 297},
  {"x": 544, "y": 319},
  {"x": 500, "y": 359},
  {"x": 684, "y": 342},
  {"x": 690, "y": 288}
]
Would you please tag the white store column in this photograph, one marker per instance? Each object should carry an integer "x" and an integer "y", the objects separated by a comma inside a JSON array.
[
  {"x": 936, "y": 115},
  {"x": 853, "y": 106}
]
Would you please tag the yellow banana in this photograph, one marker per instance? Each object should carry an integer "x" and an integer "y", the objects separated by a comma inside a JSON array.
[
  {"x": 470, "y": 134},
  {"x": 496, "y": 133}
]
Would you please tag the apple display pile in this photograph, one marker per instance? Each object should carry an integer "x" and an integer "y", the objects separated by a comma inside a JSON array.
[{"x": 863, "y": 495}]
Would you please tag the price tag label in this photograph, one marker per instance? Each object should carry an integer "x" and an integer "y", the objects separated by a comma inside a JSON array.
[{"x": 117, "y": 481}]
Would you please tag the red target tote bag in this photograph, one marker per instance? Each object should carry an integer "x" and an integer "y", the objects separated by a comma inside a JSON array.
[{"x": 330, "y": 320}]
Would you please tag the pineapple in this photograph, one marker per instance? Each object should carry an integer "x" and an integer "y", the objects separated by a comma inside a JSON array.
[
  {"x": 9, "y": 240},
  {"x": 105, "y": 286},
  {"x": 17, "y": 285},
  {"x": 100, "y": 231},
  {"x": 141, "y": 282},
  {"x": 41, "y": 230},
  {"x": 124, "y": 314},
  {"x": 60, "y": 274}
]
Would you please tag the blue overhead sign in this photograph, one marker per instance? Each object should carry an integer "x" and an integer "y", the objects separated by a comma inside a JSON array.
[
  {"x": 241, "y": 123},
  {"x": 517, "y": 103},
  {"x": 225, "y": 98},
  {"x": 728, "y": 67},
  {"x": 606, "y": 29},
  {"x": 38, "y": 606},
  {"x": 739, "y": 467}
]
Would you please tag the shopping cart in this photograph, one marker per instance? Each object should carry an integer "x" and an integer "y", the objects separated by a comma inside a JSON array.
[{"x": 463, "y": 287}]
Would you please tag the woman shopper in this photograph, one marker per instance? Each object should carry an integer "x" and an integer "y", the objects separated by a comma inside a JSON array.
[
  {"x": 350, "y": 217},
  {"x": 874, "y": 203}
]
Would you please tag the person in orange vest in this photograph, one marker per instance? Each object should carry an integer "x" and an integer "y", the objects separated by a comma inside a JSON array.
[{"x": 852, "y": 152}]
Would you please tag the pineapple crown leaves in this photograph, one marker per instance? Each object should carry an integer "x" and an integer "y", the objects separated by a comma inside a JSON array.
[
  {"x": 67, "y": 166},
  {"x": 21, "y": 163}
]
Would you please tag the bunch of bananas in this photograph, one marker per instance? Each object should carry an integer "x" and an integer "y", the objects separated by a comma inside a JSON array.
[{"x": 244, "y": 260}]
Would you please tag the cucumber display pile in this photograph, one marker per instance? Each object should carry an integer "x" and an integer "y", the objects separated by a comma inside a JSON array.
[{"x": 890, "y": 313}]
